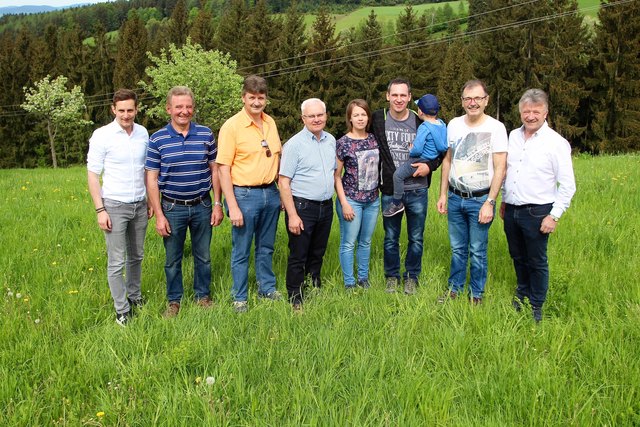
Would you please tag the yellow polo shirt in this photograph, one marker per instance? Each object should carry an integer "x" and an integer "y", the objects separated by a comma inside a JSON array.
[{"x": 240, "y": 147}]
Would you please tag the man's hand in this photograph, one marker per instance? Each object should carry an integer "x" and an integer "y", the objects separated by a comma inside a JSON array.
[
  {"x": 442, "y": 205},
  {"x": 104, "y": 221},
  {"x": 486, "y": 213},
  {"x": 149, "y": 211},
  {"x": 295, "y": 225},
  {"x": 216, "y": 215},
  {"x": 162, "y": 225},
  {"x": 548, "y": 225},
  {"x": 423, "y": 169},
  {"x": 235, "y": 216}
]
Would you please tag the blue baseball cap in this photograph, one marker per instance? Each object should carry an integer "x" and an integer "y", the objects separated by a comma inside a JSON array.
[{"x": 428, "y": 104}]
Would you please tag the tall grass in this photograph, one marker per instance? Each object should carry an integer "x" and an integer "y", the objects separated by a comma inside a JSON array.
[{"x": 368, "y": 358}]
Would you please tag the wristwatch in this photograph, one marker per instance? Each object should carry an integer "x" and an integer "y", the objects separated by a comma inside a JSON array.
[
  {"x": 217, "y": 204},
  {"x": 555, "y": 218},
  {"x": 491, "y": 201}
]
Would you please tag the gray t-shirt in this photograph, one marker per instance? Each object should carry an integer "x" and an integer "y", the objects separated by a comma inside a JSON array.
[{"x": 401, "y": 133}]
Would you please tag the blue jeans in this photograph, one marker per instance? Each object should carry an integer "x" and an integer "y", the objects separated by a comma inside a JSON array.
[
  {"x": 198, "y": 220},
  {"x": 528, "y": 249},
  {"x": 360, "y": 229},
  {"x": 468, "y": 238},
  {"x": 260, "y": 209},
  {"x": 125, "y": 247},
  {"x": 415, "y": 207},
  {"x": 403, "y": 172}
]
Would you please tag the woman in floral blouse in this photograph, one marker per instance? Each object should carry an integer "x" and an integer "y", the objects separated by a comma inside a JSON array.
[{"x": 357, "y": 189}]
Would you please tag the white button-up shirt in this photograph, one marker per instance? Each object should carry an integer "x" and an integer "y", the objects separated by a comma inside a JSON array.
[
  {"x": 539, "y": 170},
  {"x": 121, "y": 157}
]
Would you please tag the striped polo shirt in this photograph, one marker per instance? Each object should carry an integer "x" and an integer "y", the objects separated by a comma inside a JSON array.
[{"x": 183, "y": 162}]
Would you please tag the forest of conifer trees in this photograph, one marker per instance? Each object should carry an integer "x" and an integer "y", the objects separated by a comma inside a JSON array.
[{"x": 591, "y": 70}]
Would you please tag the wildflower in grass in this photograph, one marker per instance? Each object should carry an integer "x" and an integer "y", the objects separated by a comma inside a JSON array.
[
  {"x": 210, "y": 380},
  {"x": 54, "y": 263},
  {"x": 26, "y": 299},
  {"x": 100, "y": 414},
  {"x": 198, "y": 380},
  {"x": 23, "y": 188},
  {"x": 35, "y": 249},
  {"x": 37, "y": 321},
  {"x": 9, "y": 293},
  {"x": 90, "y": 268},
  {"x": 72, "y": 292},
  {"x": 18, "y": 295}
]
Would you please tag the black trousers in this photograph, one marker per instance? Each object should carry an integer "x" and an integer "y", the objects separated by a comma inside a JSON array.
[{"x": 307, "y": 249}]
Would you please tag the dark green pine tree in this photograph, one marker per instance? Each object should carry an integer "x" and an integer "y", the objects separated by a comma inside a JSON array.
[
  {"x": 179, "y": 24},
  {"x": 202, "y": 31},
  {"x": 100, "y": 82},
  {"x": 616, "y": 82},
  {"x": 327, "y": 79},
  {"x": 131, "y": 58},
  {"x": 232, "y": 23},
  {"x": 456, "y": 70},
  {"x": 260, "y": 39},
  {"x": 286, "y": 81},
  {"x": 44, "y": 54},
  {"x": 72, "y": 55}
]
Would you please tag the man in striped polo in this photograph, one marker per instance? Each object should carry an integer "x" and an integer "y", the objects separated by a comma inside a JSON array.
[{"x": 180, "y": 172}]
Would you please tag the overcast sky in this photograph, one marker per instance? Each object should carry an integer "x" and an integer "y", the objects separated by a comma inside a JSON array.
[{"x": 55, "y": 3}]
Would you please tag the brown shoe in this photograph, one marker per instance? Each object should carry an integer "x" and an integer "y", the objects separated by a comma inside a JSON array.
[
  {"x": 172, "y": 310},
  {"x": 205, "y": 302},
  {"x": 297, "y": 307}
]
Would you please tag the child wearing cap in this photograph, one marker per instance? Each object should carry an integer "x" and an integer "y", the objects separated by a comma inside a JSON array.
[{"x": 430, "y": 142}]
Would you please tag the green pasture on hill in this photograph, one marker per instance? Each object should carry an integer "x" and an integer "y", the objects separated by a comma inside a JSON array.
[{"x": 367, "y": 358}]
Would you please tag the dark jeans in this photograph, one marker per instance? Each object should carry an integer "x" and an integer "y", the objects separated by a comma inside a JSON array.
[
  {"x": 528, "y": 249},
  {"x": 307, "y": 249}
]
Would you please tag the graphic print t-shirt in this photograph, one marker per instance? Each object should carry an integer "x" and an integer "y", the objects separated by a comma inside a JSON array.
[
  {"x": 400, "y": 134},
  {"x": 472, "y": 149},
  {"x": 361, "y": 158}
]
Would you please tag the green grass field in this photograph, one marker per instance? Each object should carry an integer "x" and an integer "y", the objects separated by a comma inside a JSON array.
[{"x": 367, "y": 358}]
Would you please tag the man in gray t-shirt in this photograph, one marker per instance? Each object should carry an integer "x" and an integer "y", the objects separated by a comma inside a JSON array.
[{"x": 395, "y": 128}]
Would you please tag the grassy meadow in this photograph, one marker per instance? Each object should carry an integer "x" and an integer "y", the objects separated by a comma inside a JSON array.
[{"x": 367, "y": 358}]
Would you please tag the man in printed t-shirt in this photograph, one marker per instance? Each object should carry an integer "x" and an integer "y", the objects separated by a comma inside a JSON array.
[{"x": 472, "y": 174}]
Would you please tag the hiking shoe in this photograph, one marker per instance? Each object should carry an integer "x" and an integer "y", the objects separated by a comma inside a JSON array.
[
  {"x": 392, "y": 284},
  {"x": 204, "y": 302},
  {"x": 447, "y": 296},
  {"x": 476, "y": 300},
  {"x": 273, "y": 296},
  {"x": 123, "y": 319},
  {"x": 393, "y": 209},
  {"x": 240, "y": 306},
  {"x": 410, "y": 285},
  {"x": 172, "y": 310},
  {"x": 517, "y": 304},
  {"x": 364, "y": 283},
  {"x": 537, "y": 314}
]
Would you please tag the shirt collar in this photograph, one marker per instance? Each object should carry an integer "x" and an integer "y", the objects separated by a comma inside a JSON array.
[
  {"x": 542, "y": 129},
  {"x": 173, "y": 132},
  {"x": 310, "y": 134}
]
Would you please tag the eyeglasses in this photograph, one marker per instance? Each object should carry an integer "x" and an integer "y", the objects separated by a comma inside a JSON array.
[
  {"x": 476, "y": 99},
  {"x": 266, "y": 145},
  {"x": 314, "y": 116}
]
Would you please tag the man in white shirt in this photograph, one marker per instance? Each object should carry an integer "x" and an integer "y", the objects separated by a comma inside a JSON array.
[
  {"x": 472, "y": 174},
  {"x": 537, "y": 190},
  {"x": 117, "y": 152}
]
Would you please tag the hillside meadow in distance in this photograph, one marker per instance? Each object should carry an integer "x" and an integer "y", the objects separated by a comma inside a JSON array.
[{"x": 367, "y": 358}]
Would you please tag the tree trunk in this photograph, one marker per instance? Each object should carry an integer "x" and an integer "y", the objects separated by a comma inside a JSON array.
[{"x": 52, "y": 143}]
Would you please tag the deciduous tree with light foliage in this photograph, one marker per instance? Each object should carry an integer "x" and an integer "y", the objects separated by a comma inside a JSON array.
[
  {"x": 62, "y": 109},
  {"x": 211, "y": 76}
]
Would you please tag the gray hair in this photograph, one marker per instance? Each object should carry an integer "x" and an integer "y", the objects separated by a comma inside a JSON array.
[
  {"x": 309, "y": 101},
  {"x": 534, "y": 96},
  {"x": 179, "y": 91}
]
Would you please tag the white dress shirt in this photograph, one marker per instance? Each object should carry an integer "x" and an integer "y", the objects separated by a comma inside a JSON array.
[
  {"x": 539, "y": 170},
  {"x": 121, "y": 157}
]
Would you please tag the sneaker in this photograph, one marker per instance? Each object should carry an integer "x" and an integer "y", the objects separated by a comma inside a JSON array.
[
  {"x": 204, "y": 302},
  {"x": 537, "y": 314},
  {"x": 273, "y": 296},
  {"x": 364, "y": 283},
  {"x": 123, "y": 319},
  {"x": 476, "y": 300},
  {"x": 350, "y": 289},
  {"x": 172, "y": 310},
  {"x": 240, "y": 306},
  {"x": 447, "y": 296},
  {"x": 410, "y": 285},
  {"x": 137, "y": 303},
  {"x": 393, "y": 209},
  {"x": 517, "y": 304},
  {"x": 392, "y": 284}
]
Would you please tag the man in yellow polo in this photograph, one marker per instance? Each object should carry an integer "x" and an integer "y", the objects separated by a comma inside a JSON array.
[{"x": 248, "y": 157}]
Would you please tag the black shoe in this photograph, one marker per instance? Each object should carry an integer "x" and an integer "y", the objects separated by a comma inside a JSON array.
[
  {"x": 537, "y": 314},
  {"x": 123, "y": 319},
  {"x": 136, "y": 303},
  {"x": 364, "y": 283}
]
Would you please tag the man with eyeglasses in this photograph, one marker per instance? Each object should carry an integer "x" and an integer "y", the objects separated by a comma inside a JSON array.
[
  {"x": 395, "y": 129},
  {"x": 472, "y": 174},
  {"x": 537, "y": 191},
  {"x": 306, "y": 189},
  {"x": 248, "y": 159}
]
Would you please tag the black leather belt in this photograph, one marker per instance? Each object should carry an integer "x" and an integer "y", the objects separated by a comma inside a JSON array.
[
  {"x": 313, "y": 202},
  {"x": 191, "y": 202},
  {"x": 257, "y": 186},
  {"x": 468, "y": 194}
]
